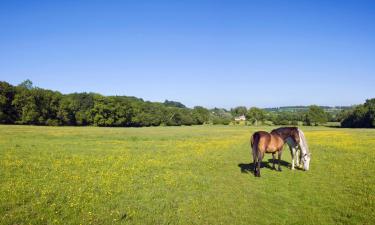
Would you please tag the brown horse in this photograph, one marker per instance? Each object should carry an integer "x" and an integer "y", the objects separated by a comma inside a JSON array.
[{"x": 264, "y": 142}]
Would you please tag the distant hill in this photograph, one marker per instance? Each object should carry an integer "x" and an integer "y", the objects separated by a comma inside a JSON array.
[{"x": 305, "y": 108}]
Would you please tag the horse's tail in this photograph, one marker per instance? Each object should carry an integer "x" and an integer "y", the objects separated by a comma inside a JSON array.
[
  {"x": 254, "y": 145},
  {"x": 303, "y": 142}
]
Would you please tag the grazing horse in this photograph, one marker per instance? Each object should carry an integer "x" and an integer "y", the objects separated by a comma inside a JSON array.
[
  {"x": 264, "y": 142},
  {"x": 295, "y": 138}
]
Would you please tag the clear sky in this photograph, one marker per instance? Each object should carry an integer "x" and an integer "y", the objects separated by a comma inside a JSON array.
[{"x": 209, "y": 53}]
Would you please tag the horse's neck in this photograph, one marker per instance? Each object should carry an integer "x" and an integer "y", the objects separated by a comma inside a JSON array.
[{"x": 280, "y": 134}]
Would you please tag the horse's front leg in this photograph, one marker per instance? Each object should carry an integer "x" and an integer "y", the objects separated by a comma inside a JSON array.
[
  {"x": 293, "y": 151},
  {"x": 279, "y": 158},
  {"x": 297, "y": 157},
  {"x": 273, "y": 161}
]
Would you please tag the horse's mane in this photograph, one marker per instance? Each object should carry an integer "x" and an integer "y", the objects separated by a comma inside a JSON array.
[
  {"x": 284, "y": 128},
  {"x": 303, "y": 142}
]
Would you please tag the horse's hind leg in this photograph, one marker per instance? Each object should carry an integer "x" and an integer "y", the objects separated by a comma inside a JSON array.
[
  {"x": 260, "y": 158},
  {"x": 254, "y": 161},
  {"x": 273, "y": 161},
  {"x": 255, "y": 164},
  {"x": 279, "y": 158}
]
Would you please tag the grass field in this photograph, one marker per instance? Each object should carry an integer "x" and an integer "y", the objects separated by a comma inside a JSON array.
[{"x": 180, "y": 175}]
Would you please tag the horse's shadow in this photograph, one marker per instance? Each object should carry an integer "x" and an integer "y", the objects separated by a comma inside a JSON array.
[{"x": 249, "y": 167}]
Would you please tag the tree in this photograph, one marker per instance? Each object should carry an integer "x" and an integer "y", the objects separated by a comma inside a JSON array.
[
  {"x": 147, "y": 114},
  {"x": 7, "y": 111},
  {"x": 103, "y": 112},
  {"x": 315, "y": 116},
  {"x": 239, "y": 111},
  {"x": 174, "y": 104},
  {"x": 255, "y": 114},
  {"x": 66, "y": 112},
  {"x": 200, "y": 115},
  {"x": 82, "y": 103},
  {"x": 27, "y": 84},
  {"x": 220, "y": 116},
  {"x": 186, "y": 117}
]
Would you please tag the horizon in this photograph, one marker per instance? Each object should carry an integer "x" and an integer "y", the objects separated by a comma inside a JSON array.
[{"x": 207, "y": 53}]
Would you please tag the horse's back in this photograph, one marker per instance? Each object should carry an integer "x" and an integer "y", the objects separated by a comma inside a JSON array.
[{"x": 266, "y": 142}]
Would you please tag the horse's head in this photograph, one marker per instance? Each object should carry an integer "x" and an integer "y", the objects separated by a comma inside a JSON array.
[{"x": 306, "y": 161}]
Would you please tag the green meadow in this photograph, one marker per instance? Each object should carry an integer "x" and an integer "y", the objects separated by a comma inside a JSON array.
[{"x": 180, "y": 175}]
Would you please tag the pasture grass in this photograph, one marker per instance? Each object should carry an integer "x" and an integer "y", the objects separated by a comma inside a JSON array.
[{"x": 180, "y": 175}]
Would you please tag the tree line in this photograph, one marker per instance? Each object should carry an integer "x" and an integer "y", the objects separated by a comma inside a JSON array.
[
  {"x": 314, "y": 115},
  {"x": 26, "y": 104},
  {"x": 360, "y": 116}
]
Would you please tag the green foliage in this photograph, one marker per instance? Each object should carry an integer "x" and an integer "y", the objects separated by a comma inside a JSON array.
[
  {"x": 35, "y": 105},
  {"x": 174, "y": 104},
  {"x": 315, "y": 116},
  {"x": 25, "y": 104},
  {"x": 291, "y": 115},
  {"x": 220, "y": 116},
  {"x": 75, "y": 109},
  {"x": 27, "y": 84},
  {"x": 7, "y": 111},
  {"x": 255, "y": 114},
  {"x": 361, "y": 116},
  {"x": 200, "y": 115},
  {"x": 239, "y": 111}
]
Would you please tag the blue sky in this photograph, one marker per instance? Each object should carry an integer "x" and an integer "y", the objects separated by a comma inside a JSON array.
[{"x": 209, "y": 53}]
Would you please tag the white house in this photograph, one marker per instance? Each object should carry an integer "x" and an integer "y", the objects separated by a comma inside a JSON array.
[{"x": 240, "y": 118}]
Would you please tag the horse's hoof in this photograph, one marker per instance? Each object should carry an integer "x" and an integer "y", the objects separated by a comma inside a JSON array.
[{"x": 279, "y": 170}]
